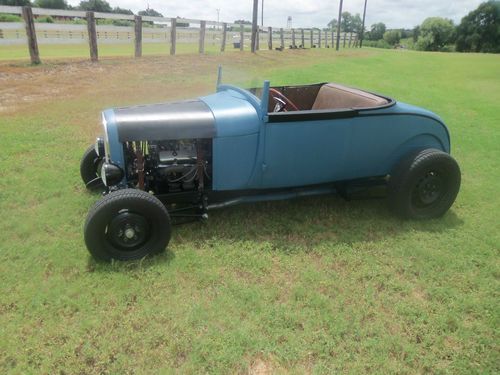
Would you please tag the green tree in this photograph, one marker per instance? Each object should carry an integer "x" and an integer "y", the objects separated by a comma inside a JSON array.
[
  {"x": 150, "y": 12},
  {"x": 119, "y": 10},
  {"x": 16, "y": 3},
  {"x": 350, "y": 23},
  {"x": 435, "y": 33},
  {"x": 392, "y": 37},
  {"x": 377, "y": 31},
  {"x": 333, "y": 24},
  {"x": 244, "y": 22},
  {"x": 51, "y": 4},
  {"x": 479, "y": 31},
  {"x": 95, "y": 5},
  {"x": 416, "y": 33}
]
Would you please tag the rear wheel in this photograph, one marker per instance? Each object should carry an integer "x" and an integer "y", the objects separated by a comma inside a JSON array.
[
  {"x": 89, "y": 166},
  {"x": 424, "y": 184},
  {"x": 126, "y": 225}
]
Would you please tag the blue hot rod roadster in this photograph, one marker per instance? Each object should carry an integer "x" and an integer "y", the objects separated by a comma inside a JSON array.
[{"x": 174, "y": 161}]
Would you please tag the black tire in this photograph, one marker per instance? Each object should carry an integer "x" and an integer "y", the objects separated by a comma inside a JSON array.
[
  {"x": 108, "y": 225},
  {"x": 89, "y": 166},
  {"x": 424, "y": 184}
]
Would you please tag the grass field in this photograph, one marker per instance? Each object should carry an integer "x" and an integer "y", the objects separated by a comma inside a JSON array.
[
  {"x": 58, "y": 51},
  {"x": 315, "y": 285}
]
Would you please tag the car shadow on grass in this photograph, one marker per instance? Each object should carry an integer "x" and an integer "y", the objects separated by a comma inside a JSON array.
[
  {"x": 93, "y": 265},
  {"x": 305, "y": 223},
  {"x": 291, "y": 226}
]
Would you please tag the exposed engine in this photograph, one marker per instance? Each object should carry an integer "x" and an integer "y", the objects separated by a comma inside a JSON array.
[{"x": 170, "y": 166}]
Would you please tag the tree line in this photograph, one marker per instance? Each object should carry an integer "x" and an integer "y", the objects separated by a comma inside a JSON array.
[
  {"x": 479, "y": 31},
  {"x": 86, "y": 5}
]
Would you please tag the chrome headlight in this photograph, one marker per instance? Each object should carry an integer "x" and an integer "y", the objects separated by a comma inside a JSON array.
[
  {"x": 111, "y": 174},
  {"x": 99, "y": 147}
]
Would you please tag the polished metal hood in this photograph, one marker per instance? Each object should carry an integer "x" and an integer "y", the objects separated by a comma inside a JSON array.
[{"x": 178, "y": 120}]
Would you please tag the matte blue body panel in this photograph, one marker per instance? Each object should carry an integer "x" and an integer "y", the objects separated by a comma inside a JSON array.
[
  {"x": 305, "y": 152},
  {"x": 234, "y": 115},
  {"x": 236, "y": 142},
  {"x": 319, "y": 151},
  {"x": 309, "y": 152},
  {"x": 233, "y": 161}
]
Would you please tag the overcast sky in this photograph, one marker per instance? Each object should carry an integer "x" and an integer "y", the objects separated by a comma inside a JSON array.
[{"x": 306, "y": 13}]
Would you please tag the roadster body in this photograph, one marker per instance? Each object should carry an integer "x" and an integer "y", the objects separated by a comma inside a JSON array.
[{"x": 162, "y": 162}]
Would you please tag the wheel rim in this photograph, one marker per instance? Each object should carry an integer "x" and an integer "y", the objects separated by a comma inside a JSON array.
[
  {"x": 429, "y": 190},
  {"x": 128, "y": 231}
]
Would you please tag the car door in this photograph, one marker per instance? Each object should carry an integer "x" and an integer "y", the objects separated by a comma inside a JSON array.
[{"x": 304, "y": 148}]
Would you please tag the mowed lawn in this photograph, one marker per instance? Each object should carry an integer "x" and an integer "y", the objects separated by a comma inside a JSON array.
[{"x": 315, "y": 285}]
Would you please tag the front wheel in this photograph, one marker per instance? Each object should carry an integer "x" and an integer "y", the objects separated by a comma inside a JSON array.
[
  {"x": 424, "y": 184},
  {"x": 89, "y": 166},
  {"x": 127, "y": 224}
]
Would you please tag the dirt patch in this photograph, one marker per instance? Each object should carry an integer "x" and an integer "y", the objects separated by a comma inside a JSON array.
[
  {"x": 260, "y": 367},
  {"x": 164, "y": 78}
]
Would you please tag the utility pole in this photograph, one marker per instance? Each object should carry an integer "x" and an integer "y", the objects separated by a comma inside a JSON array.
[
  {"x": 262, "y": 14},
  {"x": 362, "y": 27},
  {"x": 218, "y": 13},
  {"x": 254, "y": 25},
  {"x": 338, "y": 25}
]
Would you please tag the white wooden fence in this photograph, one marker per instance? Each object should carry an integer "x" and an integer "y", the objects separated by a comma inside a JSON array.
[{"x": 170, "y": 31}]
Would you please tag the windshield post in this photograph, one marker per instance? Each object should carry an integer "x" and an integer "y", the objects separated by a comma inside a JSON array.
[
  {"x": 264, "y": 100},
  {"x": 219, "y": 76}
]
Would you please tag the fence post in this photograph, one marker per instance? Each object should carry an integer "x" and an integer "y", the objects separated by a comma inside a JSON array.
[
  {"x": 293, "y": 38},
  {"x": 302, "y": 38},
  {"x": 91, "y": 29},
  {"x": 173, "y": 35},
  {"x": 203, "y": 26},
  {"x": 270, "y": 40},
  {"x": 255, "y": 27},
  {"x": 31, "y": 35},
  {"x": 282, "y": 38},
  {"x": 224, "y": 35},
  {"x": 345, "y": 35},
  {"x": 319, "y": 38},
  {"x": 312, "y": 37},
  {"x": 350, "y": 39},
  {"x": 326, "y": 39},
  {"x": 242, "y": 36},
  {"x": 257, "y": 39},
  {"x": 138, "y": 35},
  {"x": 339, "y": 23}
]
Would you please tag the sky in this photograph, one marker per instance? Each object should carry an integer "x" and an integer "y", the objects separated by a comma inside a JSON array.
[{"x": 304, "y": 13}]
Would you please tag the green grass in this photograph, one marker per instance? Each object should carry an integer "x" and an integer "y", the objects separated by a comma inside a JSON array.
[
  {"x": 313, "y": 285},
  {"x": 55, "y": 51}
]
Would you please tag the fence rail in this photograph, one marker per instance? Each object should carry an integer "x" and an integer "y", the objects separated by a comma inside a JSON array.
[{"x": 146, "y": 29}]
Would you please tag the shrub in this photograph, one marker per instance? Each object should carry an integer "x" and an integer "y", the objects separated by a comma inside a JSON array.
[
  {"x": 376, "y": 44},
  {"x": 392, "y": 37},
  {"x": 44, "y": 19},
  {"x": 435, "y": 33},
  {"x": 9, "y": 18}
]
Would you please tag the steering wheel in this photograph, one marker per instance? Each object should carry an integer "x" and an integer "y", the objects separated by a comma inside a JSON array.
[{"x": 282, "y": 103}]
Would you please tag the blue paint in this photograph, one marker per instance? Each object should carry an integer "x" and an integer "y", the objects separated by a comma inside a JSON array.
[
  {"x": 251, "y": 153},
  {"x": 234, "y": 115},
  {"x": 233, "y": 161}
]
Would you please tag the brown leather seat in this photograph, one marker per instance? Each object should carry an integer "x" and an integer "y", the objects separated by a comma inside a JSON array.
[{"x": 334, "y": 96}]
